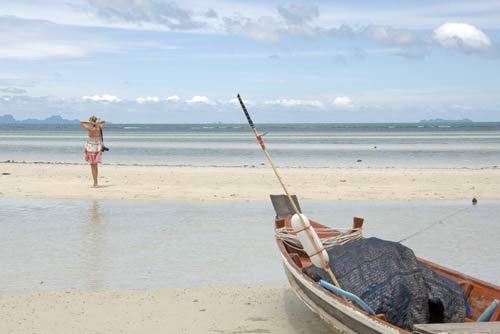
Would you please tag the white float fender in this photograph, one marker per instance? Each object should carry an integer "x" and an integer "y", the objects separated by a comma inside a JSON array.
[{"x": 310, "y": 241}]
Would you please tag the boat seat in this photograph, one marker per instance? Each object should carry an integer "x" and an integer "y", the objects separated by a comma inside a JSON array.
[{"x": 296, "y": 259}]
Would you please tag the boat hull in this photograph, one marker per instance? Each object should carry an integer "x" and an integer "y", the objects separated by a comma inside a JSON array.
[{"x": 341, "y": 317}]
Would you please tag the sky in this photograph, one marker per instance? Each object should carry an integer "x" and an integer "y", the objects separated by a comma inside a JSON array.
[{"x": 155, "y": 61}]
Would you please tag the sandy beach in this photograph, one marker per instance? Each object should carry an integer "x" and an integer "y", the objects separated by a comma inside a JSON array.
[
  {"x": 238, "y": 309},
  {"x": 228, "y": 310},
  {"x": 64, "y": 181}
]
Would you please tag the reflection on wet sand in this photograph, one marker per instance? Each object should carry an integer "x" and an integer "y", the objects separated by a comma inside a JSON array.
[
  {"x": 100, "y": 245},
  {"x": 93, "y": 246}
]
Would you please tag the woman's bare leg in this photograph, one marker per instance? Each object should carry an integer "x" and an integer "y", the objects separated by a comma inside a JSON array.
[{"x": 94, "y": 174}]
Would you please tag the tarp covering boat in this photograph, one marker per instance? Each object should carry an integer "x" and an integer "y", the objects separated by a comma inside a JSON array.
[{"x": 388, "y": 277}]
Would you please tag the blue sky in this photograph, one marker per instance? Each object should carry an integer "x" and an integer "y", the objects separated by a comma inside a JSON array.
[{"x": 315, "y": 61}]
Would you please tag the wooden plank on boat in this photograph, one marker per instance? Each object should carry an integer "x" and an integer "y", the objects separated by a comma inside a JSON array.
[{"x": 492, "y": 327}]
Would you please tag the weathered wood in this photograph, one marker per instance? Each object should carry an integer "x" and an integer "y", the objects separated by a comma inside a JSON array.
[
  {"x": 492, "y": 327},
  {"x": 282, "y": 205}
]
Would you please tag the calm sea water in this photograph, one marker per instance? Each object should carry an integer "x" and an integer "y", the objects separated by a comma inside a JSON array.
[
  {"x": 98, "y": 245},
  {"x": 452, "y": 145}
]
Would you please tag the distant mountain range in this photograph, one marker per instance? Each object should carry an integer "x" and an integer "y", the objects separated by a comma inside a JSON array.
[
  {"x": 9, "y": 119},
  {"x": 440, "y": 120}
]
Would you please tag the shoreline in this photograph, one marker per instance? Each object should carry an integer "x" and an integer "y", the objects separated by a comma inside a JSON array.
[
  {"x": 262, "y": 165},
  {"x": 215, "y": 184}
]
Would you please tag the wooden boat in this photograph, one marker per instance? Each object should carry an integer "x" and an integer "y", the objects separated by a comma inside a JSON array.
[{"x": 344, "y": 316}]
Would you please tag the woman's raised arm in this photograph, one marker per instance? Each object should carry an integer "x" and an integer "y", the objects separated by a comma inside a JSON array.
[{"x": 84, "y": 124}]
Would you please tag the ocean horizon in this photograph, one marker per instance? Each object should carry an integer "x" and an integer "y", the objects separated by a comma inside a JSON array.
[{"x": 333, "y": 145}]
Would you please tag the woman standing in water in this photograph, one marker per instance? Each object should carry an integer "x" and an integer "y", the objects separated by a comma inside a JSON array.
[{"x": 93, "y": 149}]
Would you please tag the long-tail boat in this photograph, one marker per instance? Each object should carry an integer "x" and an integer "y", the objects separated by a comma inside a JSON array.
[
  {"x": 337, "y": 308},
  {"x": 345, "y": 316}
]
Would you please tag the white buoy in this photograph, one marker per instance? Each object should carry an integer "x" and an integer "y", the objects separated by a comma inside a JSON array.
[{"x": 310, "y": 241}]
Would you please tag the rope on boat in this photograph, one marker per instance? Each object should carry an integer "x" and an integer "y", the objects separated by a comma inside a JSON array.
[
  {"x": 439, "y": 221},
  {"x": 342, "y": 236}
]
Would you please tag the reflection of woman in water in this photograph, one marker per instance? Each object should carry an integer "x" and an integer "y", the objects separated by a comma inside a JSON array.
[{"x": 93, "y": 149}]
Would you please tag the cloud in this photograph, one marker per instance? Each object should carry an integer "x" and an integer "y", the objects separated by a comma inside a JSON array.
[
  {"x": 461, "y": 36},
  {"x": 296, "y": 103},
  {"x": 167, "y": 14},
  {"x": 35, "y": 40},
  {"x": 390, "y": 35},
  {"x": 343, "y": 102},
  {"x": 210, "y": 13},
  {"x": 13, "y": 90},
  {"x": 200, "y": 99},
  {"x": 142, "y": 100},
  {"x": 298, "y": 14},
  {"x": 264, "y": 29},
  {"x": 102, "y": 98},
  {"x": 173, "y": 98}
]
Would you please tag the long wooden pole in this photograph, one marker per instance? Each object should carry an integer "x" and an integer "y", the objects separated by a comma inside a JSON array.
[{"x": 292, "y": 202}]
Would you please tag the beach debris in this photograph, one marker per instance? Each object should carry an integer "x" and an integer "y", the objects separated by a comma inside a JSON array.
[
  {"x": 202, "y": 310},
  {"x": 5, "y": 173},
  {"x": 474, "y": 201},
  {"x": 343, "y": 180}
]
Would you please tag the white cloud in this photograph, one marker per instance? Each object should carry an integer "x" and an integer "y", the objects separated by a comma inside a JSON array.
[
  {"x": 167, "y": 14},
  {"x": 199, "y": 99},
  {"x": 38, "y": 50},
  {"x": 390, "y": 35},
  {"x": 102, "y": 98},
  {"x": 142, "y": 100},
  {"x": 35, "y": 39},
  {"x": 461, "y": 36},
  {"x": 236, "y": 102},
  {"x": 264, "y": 29},
  {"x": 343, "y": 102},
  {"x": 295, "y": 103},
  {"x": 298, "y": 14},
  {"x": 173, "y": 98}
]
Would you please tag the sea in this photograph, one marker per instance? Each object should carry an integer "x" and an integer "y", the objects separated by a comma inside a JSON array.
[
  {"x": 391, "y": 145},
  {"x": 51, "y": 244}
]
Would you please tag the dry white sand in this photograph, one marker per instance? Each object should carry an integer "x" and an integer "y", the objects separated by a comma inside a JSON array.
[
  {"x": 240, "y": 184},
  {"x": 228, "y": 310}
]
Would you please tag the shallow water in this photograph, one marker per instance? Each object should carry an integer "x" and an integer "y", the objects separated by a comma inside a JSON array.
[
  {"x": 97, "y": 245},
  {"x": 413, "y": 145}
]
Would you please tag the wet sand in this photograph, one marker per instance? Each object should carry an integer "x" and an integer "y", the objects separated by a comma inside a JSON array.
[{"x": 238, "y": 183}]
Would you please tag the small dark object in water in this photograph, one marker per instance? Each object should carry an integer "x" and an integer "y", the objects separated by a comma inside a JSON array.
[
  {"x": 374, "y": 146},
  {"x": 474, "y": 201},
  {"x": 359, "y": 160}
]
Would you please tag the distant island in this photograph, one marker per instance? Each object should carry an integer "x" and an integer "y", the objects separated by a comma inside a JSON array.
[
  {"x": 9, "y": 119},
  {"x": 440, "y": 120}
]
